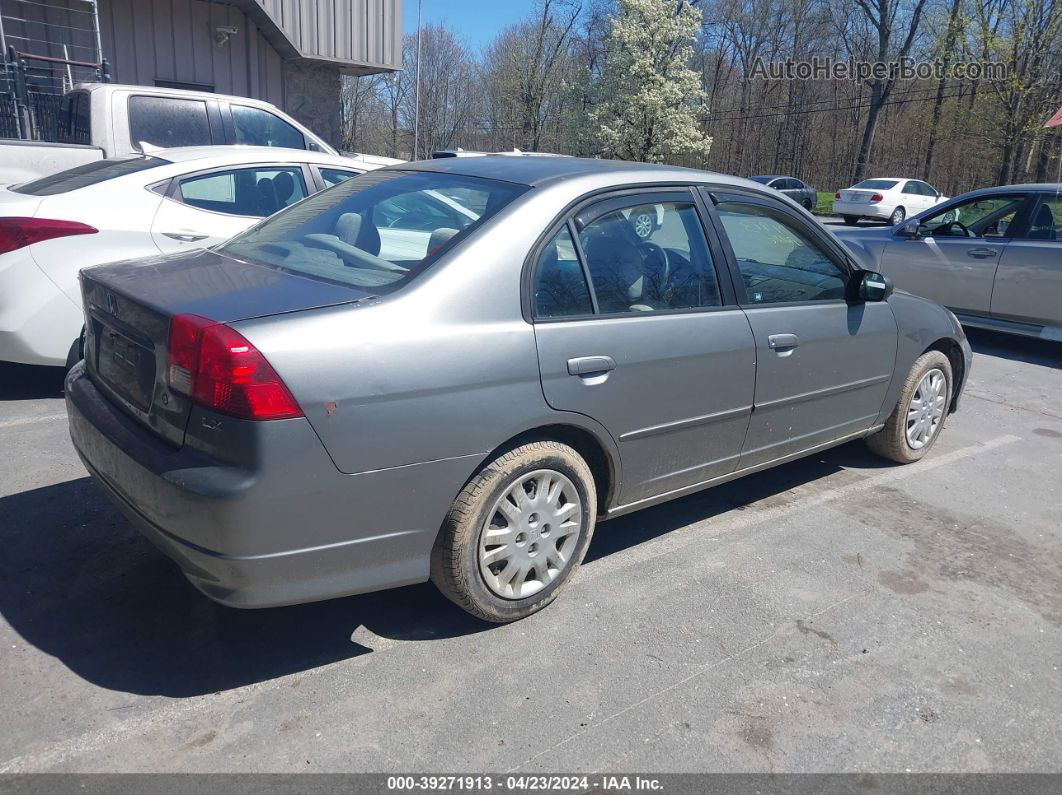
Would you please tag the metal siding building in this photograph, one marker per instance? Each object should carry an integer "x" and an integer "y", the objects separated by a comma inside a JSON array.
[{"x": 288, "y": 52}]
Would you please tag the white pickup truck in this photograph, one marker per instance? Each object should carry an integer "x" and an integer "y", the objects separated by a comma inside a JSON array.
[{"x": 98, "y": 120}]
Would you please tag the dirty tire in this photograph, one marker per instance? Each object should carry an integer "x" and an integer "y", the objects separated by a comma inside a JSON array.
[
  {"x": 455, "y": 559},
  {"x": 891, "y": 441}
]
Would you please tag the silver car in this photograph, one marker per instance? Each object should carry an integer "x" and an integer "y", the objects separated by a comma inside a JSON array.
[
  {"x": 994, "y": 256},
  {"x": 797, "y": 190},
  {"x": 370, "y": 389}
]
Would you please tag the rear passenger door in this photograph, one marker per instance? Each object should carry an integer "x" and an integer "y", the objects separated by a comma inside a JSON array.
[
  {"x": 644, "y": 337},
  {"x": 1028, "y": 279},
  {"x": 822, "y": 366},
  {"x": 209, "y": 207}
]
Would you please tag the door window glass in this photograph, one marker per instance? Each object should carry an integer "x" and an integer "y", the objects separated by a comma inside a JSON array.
[
  {"x": 245, "y": 191},
  {"x": 1047, "y": 220},
  {"x": 989, "y": 216},
  {"x": 167, "y": 121},
  {"x": 670, "y": 268},
  {"x": 560, "y": 284},
  {"x": 333, "y": 176},
  {"x": 778, "y": 262},
  {"x": 256, "y": 127}
]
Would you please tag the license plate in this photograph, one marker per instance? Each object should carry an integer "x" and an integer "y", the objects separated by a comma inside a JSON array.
[{"x": 126, "y": 366}]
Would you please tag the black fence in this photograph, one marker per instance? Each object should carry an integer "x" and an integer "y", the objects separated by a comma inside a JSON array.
[{"x": 31, "y": 93}]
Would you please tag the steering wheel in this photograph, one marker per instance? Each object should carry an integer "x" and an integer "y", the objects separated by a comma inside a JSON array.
[
  {"x": 965, "y": 230},
  {"x": 656, "y": 264}
]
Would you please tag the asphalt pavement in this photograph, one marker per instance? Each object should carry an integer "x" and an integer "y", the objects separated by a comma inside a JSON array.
[{"x": 838, "y": 613}]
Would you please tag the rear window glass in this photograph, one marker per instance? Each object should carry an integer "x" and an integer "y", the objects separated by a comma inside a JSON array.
[
  {"x": 86, "y": 175},
  {"x": 761, "y": 180},
  {"x": 876, "y": 184},
  {"x": 375, "y": 231},
  {"x": 74, "y": 120},
  {"x": 167, "y": 121}
]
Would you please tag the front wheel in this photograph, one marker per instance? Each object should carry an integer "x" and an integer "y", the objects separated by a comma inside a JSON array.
[
  {"x": 918, "y": 418},
  {"x": 517, "y": 532},
  {"x": 807, "y": 204},
  {"x": 897, "y": 216}
]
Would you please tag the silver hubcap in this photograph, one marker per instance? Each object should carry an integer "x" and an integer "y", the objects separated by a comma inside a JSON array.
[
  {"x": 926, "y": 411},
  {"x": 643, "y": 225},
  {"x": 530, "y": 534}
]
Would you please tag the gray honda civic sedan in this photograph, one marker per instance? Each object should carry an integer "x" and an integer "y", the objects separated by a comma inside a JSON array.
[{"x": 453, "y": 369}]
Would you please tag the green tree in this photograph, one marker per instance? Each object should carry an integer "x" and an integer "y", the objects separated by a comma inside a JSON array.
[{"x": 649, "y": 99}]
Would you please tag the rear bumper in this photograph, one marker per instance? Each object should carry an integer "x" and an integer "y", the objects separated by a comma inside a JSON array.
[
  {"x": 863, "y": 210},
  {"x": 38, "y": 322},
  {"x": 291, "y": 529}
]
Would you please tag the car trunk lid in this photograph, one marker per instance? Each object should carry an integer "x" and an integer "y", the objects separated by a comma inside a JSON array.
[
  {"x": 857, "y": 196},
  {"x": 129, "y": 306}
]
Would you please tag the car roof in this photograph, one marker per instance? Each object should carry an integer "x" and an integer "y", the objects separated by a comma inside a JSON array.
[
  {"x": 537, "y": 170},
  {"x": 1045, "y": 187},
  {"x": 94, "y": 87},
  {"x": 248, "y": 154}
]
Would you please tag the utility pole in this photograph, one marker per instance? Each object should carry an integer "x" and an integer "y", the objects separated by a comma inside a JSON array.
[{"x": 416, "y": 108}]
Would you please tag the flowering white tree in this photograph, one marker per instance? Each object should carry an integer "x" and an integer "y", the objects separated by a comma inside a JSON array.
[{"x": 650, "y": 98}]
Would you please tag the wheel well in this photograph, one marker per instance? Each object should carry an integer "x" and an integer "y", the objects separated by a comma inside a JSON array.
[
  {"x": 951, "y": 349},
  {"x": 583, "y": 442}
]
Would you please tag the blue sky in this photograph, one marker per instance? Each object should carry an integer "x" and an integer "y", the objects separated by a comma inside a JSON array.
[{"x": 476, "y": 21}]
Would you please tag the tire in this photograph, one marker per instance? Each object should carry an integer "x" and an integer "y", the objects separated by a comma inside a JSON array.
[
  {"x": 897, "y": 216},
  {"x": 851, "y": 220},
  {"x": 456, "y": 567},
  {"x": 77, "y": 351},
  {"x": 893, "y": 441},
  {"x": 807, "y": 204}
]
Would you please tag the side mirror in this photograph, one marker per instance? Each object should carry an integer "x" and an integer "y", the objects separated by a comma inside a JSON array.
[
  {"x": 910, "y": 229},
  {"x": 869, "y": 286}
]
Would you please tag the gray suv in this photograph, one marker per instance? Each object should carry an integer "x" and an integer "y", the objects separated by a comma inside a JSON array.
[{"x": 453, "y": 369}]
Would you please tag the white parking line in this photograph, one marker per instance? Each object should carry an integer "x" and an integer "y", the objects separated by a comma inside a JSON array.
[
  {"x": 172, "y": 710},
  {"x": 31, "y": 420}
]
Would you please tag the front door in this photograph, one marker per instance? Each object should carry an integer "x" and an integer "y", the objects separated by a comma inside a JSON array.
[
  {"x": 641, "y": 336},
  {"x": 953, "y": 258},
  {"x": 822, "y": 366}
]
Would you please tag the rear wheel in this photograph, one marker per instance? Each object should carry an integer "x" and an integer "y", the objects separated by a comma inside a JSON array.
[
  {"x": 517, "y": 532},
  {"x": 897, "y": 216},
  {"x": 918, "y": 418},
  {"x": 851, "y": 220}
]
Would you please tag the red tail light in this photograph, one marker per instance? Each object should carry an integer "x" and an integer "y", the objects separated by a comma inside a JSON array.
[
  {"x": 837, "y": 195},
  {"x": 17, "y": 233},
  {"x": 876, "y": 197},
  {"x": 220, "y": 370}
]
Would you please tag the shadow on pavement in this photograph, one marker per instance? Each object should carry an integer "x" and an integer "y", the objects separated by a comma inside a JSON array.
[
  {"x": 78, "y": 583},
  {"x": 1012, "y": 346},
  {"x": 29, "y": 382}
]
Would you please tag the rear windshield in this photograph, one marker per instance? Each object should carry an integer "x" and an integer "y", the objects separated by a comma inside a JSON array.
[
  {"x": 761, "y": 180},
  {"x": 375, "y": 231},
  {"x": 86, "y": 175},
  {"x": 876, "y": 184}
]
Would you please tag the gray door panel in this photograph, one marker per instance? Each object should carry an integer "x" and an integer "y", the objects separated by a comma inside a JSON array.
[
  {"x": 677, "y": 401},
  {"x": 822, "y": 373},
  {"x": 958, "y": 272},
  {"x": 1028, "y": 283}
]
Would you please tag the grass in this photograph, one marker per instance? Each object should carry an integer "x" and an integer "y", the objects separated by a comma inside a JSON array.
[{"x": 824, "y": 203}]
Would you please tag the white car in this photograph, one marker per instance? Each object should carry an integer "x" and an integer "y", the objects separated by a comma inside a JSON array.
[
  {"x": 890, "y": 199},
  {"x": 170, "y": 200}
]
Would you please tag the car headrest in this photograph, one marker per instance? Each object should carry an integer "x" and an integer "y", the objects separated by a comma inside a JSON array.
[
  {"x": 439, "y": 238},
  {"x": 284, "y": 185},
  {"x": 1043, "y": 225}
]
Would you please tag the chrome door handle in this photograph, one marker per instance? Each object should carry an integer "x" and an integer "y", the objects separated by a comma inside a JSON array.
[
  {"x": 185, "y": 237},
  {"x": 589, "y": 365},
  {"x": 981, "y": 253},
  {"x": 782, "y": 342}
]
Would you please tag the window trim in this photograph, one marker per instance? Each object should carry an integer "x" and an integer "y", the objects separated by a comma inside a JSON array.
[
  {"x": 173, "y": 191},
  {"x": 840, "y": 257}
]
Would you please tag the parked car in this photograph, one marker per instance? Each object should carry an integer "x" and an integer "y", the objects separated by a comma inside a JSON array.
[
  {"x": 994, "y": 256},
  {"x": 891, "y": 199},
  {"x": 301, "y": 414},
  {"x": 108, "y": 120},
  {"x": 796, "y": 189},
  {"x": 107, "y": 210}
]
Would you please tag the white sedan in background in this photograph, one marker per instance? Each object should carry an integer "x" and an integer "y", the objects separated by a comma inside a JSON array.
[
  {"x": 890, "y": 199},
  {"x": 170, "y": 200}
]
